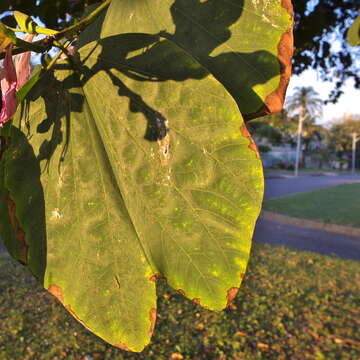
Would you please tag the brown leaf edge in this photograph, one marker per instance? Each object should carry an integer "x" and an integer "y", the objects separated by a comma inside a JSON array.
[
  {"x": 274, "y": 102},
  {"x": 232, "y": 292},
  {"x": 252, "y": 145},
  {"x": 56, "y": 291}
]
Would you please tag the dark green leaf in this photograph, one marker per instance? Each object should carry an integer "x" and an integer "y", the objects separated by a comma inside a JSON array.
[{"x": 246, "y": 45}]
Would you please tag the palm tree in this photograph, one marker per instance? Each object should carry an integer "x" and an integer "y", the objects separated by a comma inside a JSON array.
[{"x": 306, "y": 104}]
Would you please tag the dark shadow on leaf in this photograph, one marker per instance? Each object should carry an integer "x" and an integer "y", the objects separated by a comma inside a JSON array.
[
  {"x": 200, "y": 28},
  {"x": 113, "y": 57},
  {"x": 59, "y": 103},
  {"x": 24, "y": 232}
]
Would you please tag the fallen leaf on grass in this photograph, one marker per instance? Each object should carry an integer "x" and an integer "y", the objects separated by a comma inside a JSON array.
[
  {"x": 176, "y": 356},
  {"x": 200, "y": 326},
  {"x": 262, "y": 346},
  {"x": 240, "y": 333},
  {"x": 276, "y": 347},
  {"x": 232, "y": 306},
  {"x": 346, "y": 341}
]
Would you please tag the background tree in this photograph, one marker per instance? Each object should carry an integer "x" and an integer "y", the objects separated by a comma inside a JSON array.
[
  {"x": 316, "y": 144},
  {"x": 320, "y": 41},
  {"x": 277, "y": 128},
  {"x": 306, "y": 105},
  {"x": 264, "y": 129},
  {"x": 281, "y": 129},
  {"x": 341, "y": 140},
  {"x": 305, "y": 102}
]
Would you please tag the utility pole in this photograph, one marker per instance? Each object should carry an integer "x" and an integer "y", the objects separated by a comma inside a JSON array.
[
  {"x": 355, "y": 139},
  {"x": 298, "y": 145}
]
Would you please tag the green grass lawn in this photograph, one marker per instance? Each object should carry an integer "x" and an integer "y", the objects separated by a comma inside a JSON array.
[
  {"x": 338, "y": 205},
  {"x": 308, "y": 170},
  {"x": 292, "y": 305}
]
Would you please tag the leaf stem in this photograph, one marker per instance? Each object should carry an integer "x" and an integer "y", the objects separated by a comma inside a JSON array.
[
  {"x": 81, "y": 25},
  {"x": 45, "y": 44},
  {"x": 21, "y": 94},
  {"x": 38, "y": 46},
  {"x": 63, "y": 49}
]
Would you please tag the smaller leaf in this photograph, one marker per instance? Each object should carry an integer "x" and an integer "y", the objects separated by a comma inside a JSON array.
[
  {"x": 45, "y": 31},
  {"x": 29, "y": 26},
  {"x": 21, "y": 94},
  {"x": 7, "y": 37},
  {"x": 353, "y": 34}
]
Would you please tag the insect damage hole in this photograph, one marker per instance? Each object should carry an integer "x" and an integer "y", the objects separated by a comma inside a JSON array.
[
  {"x": 117, "y": 282},
  {"x": 164, "y": 147}
]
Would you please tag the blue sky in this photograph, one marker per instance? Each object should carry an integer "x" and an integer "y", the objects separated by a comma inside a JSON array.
[{"x": 349, "y": 102}]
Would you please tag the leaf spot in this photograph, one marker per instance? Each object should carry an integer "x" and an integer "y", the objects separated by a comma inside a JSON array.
[
  {"x": 20, "y": 234},
  {"x": 152, "y": 315},
  {"x": 117, "y": 282},
  {"x": 55, "y": 214},
  {"x": 231, "y": 295},
  {"x": 57, "y": 292},
  {"x": 164, "y": 150},
  {"x": 196, "y": 301},
  {"x": 122, "y": 347},
  {"x": 154, "y": 277}
]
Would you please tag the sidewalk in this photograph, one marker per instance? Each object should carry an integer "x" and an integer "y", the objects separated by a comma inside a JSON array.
[
  {"x": 303, "y": 234},
  {"x": 307, "y": 239},
  {"x": 310, "y": 224}
]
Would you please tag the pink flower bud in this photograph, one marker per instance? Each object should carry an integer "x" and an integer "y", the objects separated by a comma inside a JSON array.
[
  {"x": 12, "y": 79},
  {"x": 8, "y": 83},
  {"x": 22, "y": 65}
]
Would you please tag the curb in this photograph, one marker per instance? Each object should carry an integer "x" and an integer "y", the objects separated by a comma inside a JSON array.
[{"x": 310, "y": 224}]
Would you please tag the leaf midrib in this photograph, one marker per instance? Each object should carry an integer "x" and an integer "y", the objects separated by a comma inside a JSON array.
[{"x": 117, "y": 182}]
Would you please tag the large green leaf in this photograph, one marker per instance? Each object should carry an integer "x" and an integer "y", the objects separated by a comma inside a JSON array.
[
  {"x": 245, "y": 44},
  {"x": 7, "y": 37},
  {"x": 141, "y": 175}
]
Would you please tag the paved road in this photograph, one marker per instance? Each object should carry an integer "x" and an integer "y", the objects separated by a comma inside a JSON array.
[
  {"x": 319, "y": 241},
  {"x": 322, "y": 242},
  {"x": 284, "y": 186}
]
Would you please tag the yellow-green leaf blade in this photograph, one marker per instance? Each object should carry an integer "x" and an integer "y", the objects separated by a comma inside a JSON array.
[
  {"x": 7, "y": 37},
  {"x": 28, "y": 25}
]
